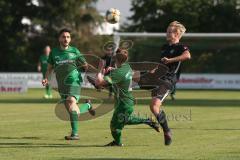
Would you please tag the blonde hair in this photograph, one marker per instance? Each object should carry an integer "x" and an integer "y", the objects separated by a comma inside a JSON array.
[{"x": 178, "y": 26}]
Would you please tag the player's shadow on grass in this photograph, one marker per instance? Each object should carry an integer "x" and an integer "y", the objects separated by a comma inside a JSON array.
[
  {"x": 54, "y": 100},
  {"x": 178, "y": 102},
  {"x": 29, "y": 100},
  {"x": 207, "y": 129},
  {"x": 42, "y": 145},
  {"x": 46, "y": 145},
  {"x": 68, "y": 158},
  {"x": 191, "y": 128},
  {"x": 196, "y": 102},
  {"x": 32, "y": 138}
]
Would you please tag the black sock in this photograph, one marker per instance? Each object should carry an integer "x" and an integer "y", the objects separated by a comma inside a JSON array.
[
  {"x": 162, "y": 120},
  {"x": 147, "y": 121}
]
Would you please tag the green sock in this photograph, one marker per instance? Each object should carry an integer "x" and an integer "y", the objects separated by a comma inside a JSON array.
[
  {"x": 117, "y": 135},
  {"x": 48, "y": 90},
  {"x": 133, "y": 120},
  {"x": 84, "y": 107},
  {"x": 74, "y": 122}
]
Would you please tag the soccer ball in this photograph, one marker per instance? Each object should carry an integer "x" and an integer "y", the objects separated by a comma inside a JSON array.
[{"x": 113, "y": 15}]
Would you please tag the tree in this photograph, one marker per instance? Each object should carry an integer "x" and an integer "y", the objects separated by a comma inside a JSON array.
[
  {"x": 197, "y": 15},
  {"x": 22, "y": 44},
  {"x": 79, "y": 16},
  {"x": 209, "y": 55},
  {"x": 13, "y": 32}
]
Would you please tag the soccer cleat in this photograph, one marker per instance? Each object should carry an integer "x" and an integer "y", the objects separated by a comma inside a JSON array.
[
  {"x": 50, "y": 96},
  {"x": 46, "y": 96},
  {"x": 92, "y": 81},
  {"x": 90, "y": 110},
  {"x": 167, "y": 138},
  {"x": 113, "y": 143},
  {"x": 154, "y": 125},
  {"x": 72, "y": 137}
]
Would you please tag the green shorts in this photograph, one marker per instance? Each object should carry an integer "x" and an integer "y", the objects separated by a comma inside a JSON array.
[
  {"x": 64, "y": 97},
  {"x": 70, "y": 91}
]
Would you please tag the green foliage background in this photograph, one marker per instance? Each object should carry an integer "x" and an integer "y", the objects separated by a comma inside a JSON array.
[
  {"x": 209, "y": 55},
  {"x": 21, "y": 44}
]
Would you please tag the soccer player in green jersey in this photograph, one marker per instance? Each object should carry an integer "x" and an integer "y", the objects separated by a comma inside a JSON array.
[
  {"x": 42, "y": 67},
  {"x": 68, "y": 62},
  {"x": 120, "y": 79}
]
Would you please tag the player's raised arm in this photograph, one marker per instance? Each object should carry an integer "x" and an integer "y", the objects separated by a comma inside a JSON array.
[
  {"x": 83, "y": 63},
  {"x": 174, "y": 52},
  {"x": 100, "y": 82},
  {"x": 101, "y": 64},
  {"x": 184, "y": 56}
]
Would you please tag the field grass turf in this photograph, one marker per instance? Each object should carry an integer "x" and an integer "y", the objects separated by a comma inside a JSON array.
[{"x": 205, "y": 125}]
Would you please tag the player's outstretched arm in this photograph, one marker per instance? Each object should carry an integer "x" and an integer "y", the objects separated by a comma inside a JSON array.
[
  {"x": 49, "y": 71},
  {"x": 184, "y": 56},
  {"x": 101, "y": 65},
  {"x": 100, "y": 82}
]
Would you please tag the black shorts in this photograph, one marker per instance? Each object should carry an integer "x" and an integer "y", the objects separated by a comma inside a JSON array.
[
  {"x": 165, "y": 86},
  {"x": 161, "y": 85},
  {"x": 162, "y": 82},
  {"x": 162, "y": 90}
]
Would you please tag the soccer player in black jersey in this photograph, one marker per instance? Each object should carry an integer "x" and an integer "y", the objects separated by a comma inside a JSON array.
[
  {"x": 107, "y": 61},
  {"x": 172, "y": 55}
]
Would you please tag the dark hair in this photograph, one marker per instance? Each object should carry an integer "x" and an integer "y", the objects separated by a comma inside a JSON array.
[{"x": 64, "y": 30}]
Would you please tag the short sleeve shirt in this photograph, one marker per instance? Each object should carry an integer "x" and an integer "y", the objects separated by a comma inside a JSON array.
[
  {"x": 66, "y": 65},
  {"x": 171, "y": 51}
]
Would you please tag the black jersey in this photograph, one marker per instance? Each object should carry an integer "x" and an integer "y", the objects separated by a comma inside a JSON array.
[
  {"x": 171, "y": 51},
  {"x": 108, "y": 60}
]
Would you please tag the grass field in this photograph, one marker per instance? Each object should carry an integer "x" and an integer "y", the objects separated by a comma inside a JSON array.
[{"x": 205, "y": 125}]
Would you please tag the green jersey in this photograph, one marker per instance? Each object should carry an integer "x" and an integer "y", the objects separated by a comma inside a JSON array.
[
  {"x": 66, "y": 66},
  {"x": 120, "y": 79},
  {"x": 44, "y": 63}
]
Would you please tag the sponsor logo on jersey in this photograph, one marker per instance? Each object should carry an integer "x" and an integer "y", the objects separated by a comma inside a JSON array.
[
  {"x": 64, "y": 61},
  {"x": 71, "y": 55},
  {"x": 57, "y": 57}
]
